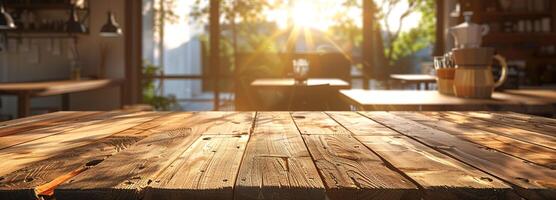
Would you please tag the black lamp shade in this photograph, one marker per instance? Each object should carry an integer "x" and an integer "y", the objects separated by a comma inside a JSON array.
[
  {"x": 74, "y": 25},
  {"x": 6, "y": 21},
  {"x": 111, "y": 28}
]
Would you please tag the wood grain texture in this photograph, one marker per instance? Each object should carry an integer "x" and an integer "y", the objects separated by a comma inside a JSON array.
[
  {"x": 347, "y": 168},
  {"x": 41, "y": 177},
  {"x": 33, "y": 119},
  {"x": 279, "y": 155},
  {"x": 351, "y": 171},
  {"x": 515, "y": 133},
  {"x": 64, "y": 127},
  {"x": 529, "y": 181},
  {"x": 24, "y": 154},
  {"x": 529, "y": 118},
  {"x": 360, "y": 126},
  {"x": 504, "y": 120},
  {"x": 124, "y": 175},
  {"x": 522, "y": 150},
  {"x": 48, "y": 122},
  {"x": 277, "y": 164},
  {"x": 440, "y": 176},
  {"x": 317, "y": 123},
  {"x": 229, "y": 123},
  {"x": 206, "y": 170}
]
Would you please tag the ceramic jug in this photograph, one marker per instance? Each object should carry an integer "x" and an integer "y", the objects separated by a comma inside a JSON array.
[
  {"x": 468, "y": 34},
  {"x": 473, "y": 77}
]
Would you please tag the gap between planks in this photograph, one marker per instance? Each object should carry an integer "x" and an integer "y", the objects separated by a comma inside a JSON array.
[
  {"x": 515, "y": 133},
  {"x": 33, "y": 119},
  {"x": 437, "y": 175},
  {"x": 42, "y": 176},
  {"x": 55, "y": 120},
  {"x": 529, "y": 181},
  {"x": 349, "y": 170},
  {"x": 529, "y": 125},
  {"x": 151, "y": 157},
  {"x": 209, "y": 168},
  {"x": 45, "y": 147},
  {"x": 276, "y": 163},
  {"x": 533, "y": 153}
]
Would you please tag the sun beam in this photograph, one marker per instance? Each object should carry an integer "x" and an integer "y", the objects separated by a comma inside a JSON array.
[{"x": 305, "y": 14}]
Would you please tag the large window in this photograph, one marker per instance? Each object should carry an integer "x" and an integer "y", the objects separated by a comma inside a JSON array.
[{"x": 259, "y": 38}]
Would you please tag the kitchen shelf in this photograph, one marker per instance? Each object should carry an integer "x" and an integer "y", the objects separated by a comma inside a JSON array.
[
  {"x": 61, "y": 8},
  {"x": 517, "y": 46}
]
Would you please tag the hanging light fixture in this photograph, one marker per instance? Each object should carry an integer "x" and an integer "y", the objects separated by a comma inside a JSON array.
[
  {"x": 73, "y": 24},
  {"x": 6, "y": 21},
  {"x": 111, "y": 28}
]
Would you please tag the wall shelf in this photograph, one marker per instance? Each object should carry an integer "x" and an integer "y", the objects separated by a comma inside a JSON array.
[
  {"x": 51, "y": 22},
  {"x": 525, "y": 46},
  {"x": 41, "y": 6}
]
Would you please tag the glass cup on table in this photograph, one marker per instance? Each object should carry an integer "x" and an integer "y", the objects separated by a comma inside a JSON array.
[
  {"x": 445, "y": 73},
  {"x": 300, "y": 70}
]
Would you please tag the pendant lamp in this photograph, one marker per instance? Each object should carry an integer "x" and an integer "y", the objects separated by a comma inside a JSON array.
[
  {"x": 6, "y": 21},
  {"x": 111, "y": 28},
  {"x": 73, "y": 24}
]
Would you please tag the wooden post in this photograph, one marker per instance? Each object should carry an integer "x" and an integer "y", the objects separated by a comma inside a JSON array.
[
  {"x": 439, "y": 43},
  {"x": 368, "y": 54},
  {"x": 214, "y": 23},
  {"x": 131, "y": 88}
]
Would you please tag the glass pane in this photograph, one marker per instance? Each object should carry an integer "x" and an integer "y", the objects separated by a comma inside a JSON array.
[
  {"x": 260, "y": 38},
  {"x": 187, "y": 95},
  {"x": 172, "y": 40}
]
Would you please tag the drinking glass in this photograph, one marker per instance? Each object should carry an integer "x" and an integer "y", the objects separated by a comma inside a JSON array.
[
  {"x": 439, "y": 62},
  {"x": 300, "y": 70}
]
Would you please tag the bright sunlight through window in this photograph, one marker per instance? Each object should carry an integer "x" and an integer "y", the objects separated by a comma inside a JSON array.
[{"x": 319, "y": 14}]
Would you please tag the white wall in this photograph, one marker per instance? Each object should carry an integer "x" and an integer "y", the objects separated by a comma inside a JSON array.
[
  {"x": 15, "y": 66},
  {"x": 89, "y": 48}
]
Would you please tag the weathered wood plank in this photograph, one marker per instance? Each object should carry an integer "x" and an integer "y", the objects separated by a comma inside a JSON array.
[
  {"x": 50, "y": 122},
  {"x": 351, "y": 171},
  {"x": 33, "y": 119},
  {"x": 124, "y": 175},
  {"x": 277, "y": 164},
  {"x": 206, "y": 170},
  {"x": 530, "y": 152},
  {"x": 230, "y": 123},
  {"x": 515, "y": 133},
  {"x": 21, "y": 155},
  {"x": 317, "y": 123},
  {"x": 530, "y": 181},
  {"x": 530, "y": 118},
  {"x": 64, "y": 127},
  {"x": 504, "y": 120},
  {"x": 47, "y": 174},
  {"x": 440, "y": 176},
  {"x": 360, "y": 125},
  {"x": 348, "y": 169}
]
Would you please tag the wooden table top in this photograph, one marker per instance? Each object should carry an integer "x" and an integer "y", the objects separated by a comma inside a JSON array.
[
  {"x": 46, "y": 88},
  {"x": 279, "y": 155},
  {"x": 288, "y": 82},
  {"x": 391, "y": 100},
  {"x": 414, "y": 77}
]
